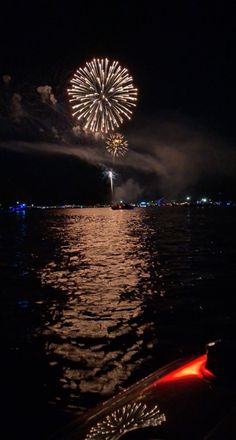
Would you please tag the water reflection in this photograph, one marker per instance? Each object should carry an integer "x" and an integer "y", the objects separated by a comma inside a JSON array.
[
  {"x": 106, "y": 297},
  {"x": 102, "y": 266}
]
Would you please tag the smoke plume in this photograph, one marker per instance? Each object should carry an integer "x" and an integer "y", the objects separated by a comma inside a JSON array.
[
  {"x": 172, "y": 154},
  {"x": 17, "y": 110},
  {"x": 129, "y": 191},
  {"x": 46, "y": 95}
]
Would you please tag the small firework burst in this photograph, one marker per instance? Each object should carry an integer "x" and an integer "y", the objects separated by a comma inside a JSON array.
[
  {"x": 116, "y": 145},
  {"x": 102, "y": 95},
  {"x": 127, "y": 418}
]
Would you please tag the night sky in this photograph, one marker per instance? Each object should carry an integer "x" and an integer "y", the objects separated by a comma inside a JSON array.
[{"x": 182, "y": 56}]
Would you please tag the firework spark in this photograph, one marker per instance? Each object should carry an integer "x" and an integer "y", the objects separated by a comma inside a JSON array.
[
  {"x": 116, "y": 145},
  {"x": 127, "y": 418},
  {"x": 102, "y": 95}
]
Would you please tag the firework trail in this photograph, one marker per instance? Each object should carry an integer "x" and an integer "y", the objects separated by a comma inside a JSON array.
[
  {"x": 110, "y": 175},
  {"x": 102, "y": 95}
]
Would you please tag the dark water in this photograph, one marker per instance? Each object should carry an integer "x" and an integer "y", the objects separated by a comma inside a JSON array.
[{"x": 94, "y": 299}]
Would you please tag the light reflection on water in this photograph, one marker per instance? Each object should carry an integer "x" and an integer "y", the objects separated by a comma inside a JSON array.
[
  {"x": 94, "y": 299},
  {"x": 101, "y": 265}
]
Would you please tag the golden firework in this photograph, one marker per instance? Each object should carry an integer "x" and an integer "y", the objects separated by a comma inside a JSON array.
[{"x": 116, "y": 145}]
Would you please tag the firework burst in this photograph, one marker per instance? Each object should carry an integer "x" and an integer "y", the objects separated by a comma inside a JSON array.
[
  {"x": 102, "y": 95},
  {"x": 116, "y": 145},
  {"x": 125, "y": 419}
]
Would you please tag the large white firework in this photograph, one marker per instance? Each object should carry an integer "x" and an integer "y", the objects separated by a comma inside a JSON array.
[{"x": 102, "y": 95}]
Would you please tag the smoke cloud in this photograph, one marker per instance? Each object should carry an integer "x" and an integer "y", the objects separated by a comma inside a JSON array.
[
  {"x": 17, "y": 110},
  {"x": 6, "y": 79},
  {"x": 76, "y": 130},
  {"x": 129, "y": 191},
  {"x": 46, "y": 95},
  {"x": 176, "y": 164},
  {"x": 170, "y": 154}
]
